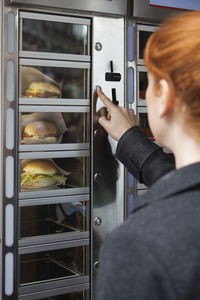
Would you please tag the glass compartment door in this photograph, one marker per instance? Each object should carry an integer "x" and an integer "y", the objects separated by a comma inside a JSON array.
[
  {"x": 54, "y": 216},
  {"x": 143, "y": 34},
  {"x": 142, "y": 83},
  {"x": 143, "y": 122},
  {"x": 54, "y": 36},
  {"x": 57, "y": 128},
  {"x": 56, "y": 219},
  {"x": 54, "y": 82},
  {"x": 47, "y": 267}
]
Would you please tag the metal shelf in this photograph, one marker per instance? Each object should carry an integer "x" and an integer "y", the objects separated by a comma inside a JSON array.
[
  {"x": 52, "y": 238},
  {"x": 54, "y": 147},
  {"x": 53, "y": 193},
  {"x": 54, "y": 102},
  {"x": 53, "y": 246}
]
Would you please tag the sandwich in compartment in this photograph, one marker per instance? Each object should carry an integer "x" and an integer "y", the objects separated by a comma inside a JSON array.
[
  {"x": 41, "y": 173},
  {"x": 42, "y": 89},
  {"x": 40, "y": 132}
]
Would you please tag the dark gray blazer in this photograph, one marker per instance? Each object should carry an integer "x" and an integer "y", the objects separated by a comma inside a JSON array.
[{"x": 155, "y": 254}]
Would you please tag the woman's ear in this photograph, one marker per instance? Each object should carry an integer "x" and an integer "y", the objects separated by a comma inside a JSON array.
[{"x": 164, "y": 98}]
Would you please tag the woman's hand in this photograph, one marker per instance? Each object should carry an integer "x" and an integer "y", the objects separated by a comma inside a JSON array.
[{"x": 117, "y": 120}]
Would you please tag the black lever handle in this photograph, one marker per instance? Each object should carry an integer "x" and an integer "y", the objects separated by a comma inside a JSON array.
[
  {"x": 111, "y": 66},
  {"x": 114, "y": 98},
  {"x": 111, "y": 76}
]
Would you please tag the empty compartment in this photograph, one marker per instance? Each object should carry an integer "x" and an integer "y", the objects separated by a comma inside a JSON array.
[
  {"x": 144, "y": 125},
  {"x": 53, "y": 219},
  {"x": 53, "y": 265},
  {"x": 143, "y": 34},
  {"x": 143, "y": 38},
  {"x": 143, "y": 82},
  {"x": 55, "y": 34}
]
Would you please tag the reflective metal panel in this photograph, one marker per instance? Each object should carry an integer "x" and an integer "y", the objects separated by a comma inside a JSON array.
[
  {"x": 106, "y": 6},
  {"x": 108, "y": 187},
  {"x": 108, "y": 173}
]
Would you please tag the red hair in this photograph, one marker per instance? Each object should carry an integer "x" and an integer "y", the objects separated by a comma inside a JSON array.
[{"x": 173, "y": 53}]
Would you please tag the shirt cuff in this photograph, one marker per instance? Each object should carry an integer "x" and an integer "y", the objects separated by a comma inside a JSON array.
[{"x": 133, "y": 149}]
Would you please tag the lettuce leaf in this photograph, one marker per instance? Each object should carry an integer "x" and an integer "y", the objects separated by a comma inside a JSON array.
[{"x": 31, "y": 179}]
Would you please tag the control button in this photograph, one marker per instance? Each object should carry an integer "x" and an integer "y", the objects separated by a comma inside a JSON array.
[
  {"x": 97, "y": 221},
  {"x": 96, "y": 265},
  {"x": 98, "y": 46}
]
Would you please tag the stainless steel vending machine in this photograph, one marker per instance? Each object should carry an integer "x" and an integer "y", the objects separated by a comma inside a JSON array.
[{"x": 62, "y": 189}]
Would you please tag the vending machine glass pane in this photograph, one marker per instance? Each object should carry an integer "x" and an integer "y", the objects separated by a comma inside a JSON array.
[
  {"x": 54, "y": 128},
  {"x": 144, "y": 125},
  {"x": 55, "y": 173},
  {"x": 143, "y": 37},
  {"x": 54, "y": 82},
  {"x": 53, "y": 219},
  {"x": 53, "y": 264},
  {"x": 143, "y": 82},
  {"x": 55, "y": 37}
]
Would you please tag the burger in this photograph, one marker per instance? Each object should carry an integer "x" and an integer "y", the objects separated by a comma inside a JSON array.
[
  {"x": 42, "y": 89},
  {"x": 41, "y": 173},
  {"x": 40, "y": 132}
]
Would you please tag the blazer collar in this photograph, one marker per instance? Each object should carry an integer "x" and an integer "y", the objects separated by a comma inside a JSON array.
[{"x": 174, "y": 182}]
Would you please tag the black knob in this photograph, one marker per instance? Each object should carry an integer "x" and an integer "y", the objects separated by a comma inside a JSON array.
[{"x": 113, "y": 76}]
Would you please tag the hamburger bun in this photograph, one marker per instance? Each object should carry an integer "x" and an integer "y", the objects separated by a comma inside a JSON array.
[
  {"x": 40, "y": 166},
  {"x": 42, "y": 89},
  {"x": 41, "y": 173},
  {"x": 40, "y": 132}
]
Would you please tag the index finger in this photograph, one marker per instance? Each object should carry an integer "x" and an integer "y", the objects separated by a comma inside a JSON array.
[{"x": 106, "y": 101}]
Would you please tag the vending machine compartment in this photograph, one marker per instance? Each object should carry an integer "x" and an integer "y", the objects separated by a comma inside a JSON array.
[
  {"x": 143, "y": 34},
  {"x": 53, "y": 265},
  {"x": 144, "y": 123},
  {"x": 50, "y": 219},
  {"x": 142, "y": 83}
]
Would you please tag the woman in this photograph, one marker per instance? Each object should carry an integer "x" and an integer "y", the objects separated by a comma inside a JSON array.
[{"x": 155, "y": 254}]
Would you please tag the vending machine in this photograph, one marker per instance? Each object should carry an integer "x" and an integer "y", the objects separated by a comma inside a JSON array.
[{"x": 62, "y": 188}]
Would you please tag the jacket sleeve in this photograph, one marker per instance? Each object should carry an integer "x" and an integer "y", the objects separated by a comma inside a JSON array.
[
  {"x": 130, "y": 272},
  {"x": 144, "y": 159}
]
